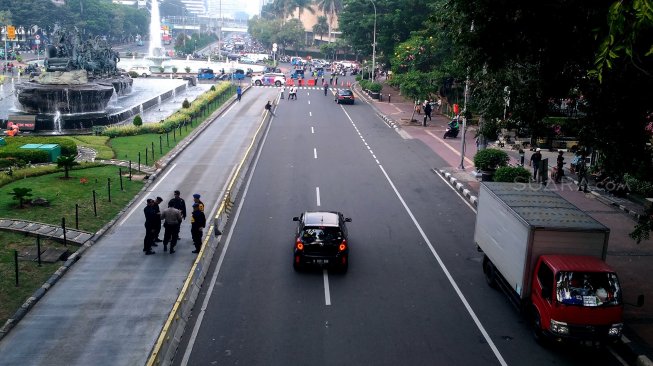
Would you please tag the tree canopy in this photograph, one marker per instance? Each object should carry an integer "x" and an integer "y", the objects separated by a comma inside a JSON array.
[{"x": 91, "y": 17}]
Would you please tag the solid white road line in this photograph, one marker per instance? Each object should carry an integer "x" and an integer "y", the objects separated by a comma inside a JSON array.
[
  {"x": 317, "y": 193},
  {"x": 144, "y": 198},
  {"x": 327, "y": 293},
  {"x": 314, "y": 153},
  {"x": 435, "y": 254}
]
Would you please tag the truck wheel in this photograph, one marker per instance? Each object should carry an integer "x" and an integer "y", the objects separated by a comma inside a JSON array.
[
  {"x": 257, "y": 82},
  {"x": 490, "y": 274},
  {"x": 536, "y": 327},
  {"x": 277, "y": 83}
]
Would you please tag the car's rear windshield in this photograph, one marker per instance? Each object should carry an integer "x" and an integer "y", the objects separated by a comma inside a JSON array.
[
  {"x": 323, "y": 233},
  {"x": 345, "y": 92}
]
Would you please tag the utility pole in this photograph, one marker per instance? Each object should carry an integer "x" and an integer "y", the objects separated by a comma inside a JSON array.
[
  {"x": 462, "y": 141},
  {"x": 374, "y": 43}
]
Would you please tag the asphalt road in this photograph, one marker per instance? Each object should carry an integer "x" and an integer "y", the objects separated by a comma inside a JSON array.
[{"x": 414, "y": 293}]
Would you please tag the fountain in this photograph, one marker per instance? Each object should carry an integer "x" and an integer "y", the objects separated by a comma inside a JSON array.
[
  {"x": 80, "y": 78},
  {"x": 156, "y": 54}
]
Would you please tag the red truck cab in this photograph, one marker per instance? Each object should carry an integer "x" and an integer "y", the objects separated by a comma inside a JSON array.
[{"x": 576, "y": 298}]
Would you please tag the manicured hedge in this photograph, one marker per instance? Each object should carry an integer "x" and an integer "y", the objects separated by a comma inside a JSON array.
[
  {"x": 177, "y": 119},
  {"x": 13, "y": 150}
]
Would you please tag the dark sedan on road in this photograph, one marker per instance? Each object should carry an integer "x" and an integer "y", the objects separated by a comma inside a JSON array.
[
  {"x": 344, "y": 96},
  {"x": 321, "y": 239}
]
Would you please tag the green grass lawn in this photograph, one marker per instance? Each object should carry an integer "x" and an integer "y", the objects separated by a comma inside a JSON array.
[
  {"x": 30, "y": 275},
  {"x": 63, "y": 194},
  {"x": 128, "y": 147},
  {"x": 98, "y": 143}
]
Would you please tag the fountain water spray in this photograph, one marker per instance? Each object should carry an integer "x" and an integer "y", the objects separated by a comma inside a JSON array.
[{"x": 155, "y": 29}]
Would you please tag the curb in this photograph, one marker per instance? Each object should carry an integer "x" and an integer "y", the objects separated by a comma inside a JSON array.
[
  {"x": 387, "y": 120},
  {"x": 73, "y": 258},
  {"x": 624, "y": 347},
  {"x": 466, "y": 193}
]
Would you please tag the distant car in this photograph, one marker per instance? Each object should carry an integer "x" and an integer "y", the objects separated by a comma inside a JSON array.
[
  {"x": 297, "y": 74},
  {"x": 344, "y": 96},
  {"x": 143, "y": 71},
  {"x": 205, "y": 74},
  {"x": 321, "y": 239},
  {"x": 247, "y": 60},
  {"x": 239, "y": 74},
  {"x": 271, "y": 78}
]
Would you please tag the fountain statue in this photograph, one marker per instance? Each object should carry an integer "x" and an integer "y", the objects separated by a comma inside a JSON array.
[{"x": 80, "y": 78}]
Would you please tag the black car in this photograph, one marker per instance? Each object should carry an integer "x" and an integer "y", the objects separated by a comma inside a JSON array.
[
  {"x": 321, "y": 239},
  {"x": 344, "y": 96}
]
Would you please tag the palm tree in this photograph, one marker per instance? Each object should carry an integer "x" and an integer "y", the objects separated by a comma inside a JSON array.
[
  {"x": 302, "y": 5},
  {"x": 321, "y": 27},
  {"x": 20, "y": 194},
  {"x": 66, "y": 162},
  {"x": 331, "y": 8},
  {"x": 283, "y": 8}
]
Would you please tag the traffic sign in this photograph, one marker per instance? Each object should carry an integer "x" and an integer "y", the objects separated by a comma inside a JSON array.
[{"x": 274, "y": 47}]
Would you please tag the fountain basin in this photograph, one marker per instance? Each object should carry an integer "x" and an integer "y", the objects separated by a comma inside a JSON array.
[{"x": 37, "y": 98}]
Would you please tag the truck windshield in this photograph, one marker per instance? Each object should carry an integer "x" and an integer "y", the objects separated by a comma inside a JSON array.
[{"x": 589, "y": 289}]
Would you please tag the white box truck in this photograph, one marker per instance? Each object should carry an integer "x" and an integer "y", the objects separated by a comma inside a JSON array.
[{"x": 549, "y": 257}]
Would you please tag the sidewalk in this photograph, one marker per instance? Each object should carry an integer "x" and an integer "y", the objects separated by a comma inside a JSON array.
[{"x": 633, "y": 262}]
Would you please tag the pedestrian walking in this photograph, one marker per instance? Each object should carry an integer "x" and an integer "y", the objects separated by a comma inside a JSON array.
[
  {"x": 536, "y": 158},
  {"x": 427, "y": 112},
  {"x": 239, "y": 93},
  {"x": 283, "y": 91},
  {"x": 336, "y": 80},
  {"x": 171, "y": 223},
  {"x": 294, "y": 93},
  {"x": 157, "y": 202},
  {"x": 581, "y": 170},
  {"x": 326, "y": 88},
  {"x": 198, "y": 221},
  {"x": 268, "y": 107},
  {"x": 151, "y": 221},
  {"x": 560, "y": 161},
  {"x": 196, "y": 199}
]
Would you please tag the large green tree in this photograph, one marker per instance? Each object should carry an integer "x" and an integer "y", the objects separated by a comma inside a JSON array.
[
  {"x": 92, "y": 17},
  {"x": 395, "y": 20}
]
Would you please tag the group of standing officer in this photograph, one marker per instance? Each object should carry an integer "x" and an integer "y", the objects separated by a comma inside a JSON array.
[{"x": 172, "y": 218}]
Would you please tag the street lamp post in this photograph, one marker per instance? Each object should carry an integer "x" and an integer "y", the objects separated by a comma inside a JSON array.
[
  {"x": 462, "y": 141},
  {"x": 374, "y": 42}
]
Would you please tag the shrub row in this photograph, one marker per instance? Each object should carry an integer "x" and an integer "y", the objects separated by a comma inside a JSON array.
[
  {"x": 68, "y": 147},
  {"x": 177, "y": 119},
  {"x": 35, "y": 171},
  {"x": 370, "y": 85},
  {"x": 12, "y": 150},
  {"x": 638, "y": 186}
]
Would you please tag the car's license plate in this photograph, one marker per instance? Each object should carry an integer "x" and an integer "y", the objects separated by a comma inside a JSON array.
[{"x": 322, "y": 261}]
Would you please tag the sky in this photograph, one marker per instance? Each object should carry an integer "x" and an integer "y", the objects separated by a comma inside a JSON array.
[{"x": 252, "y": 7}]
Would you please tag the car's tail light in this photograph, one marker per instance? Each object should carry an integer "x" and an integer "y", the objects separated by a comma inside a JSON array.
[
  {"x": 299, "y": 245},
  {"x": 342, "y": 246}
]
